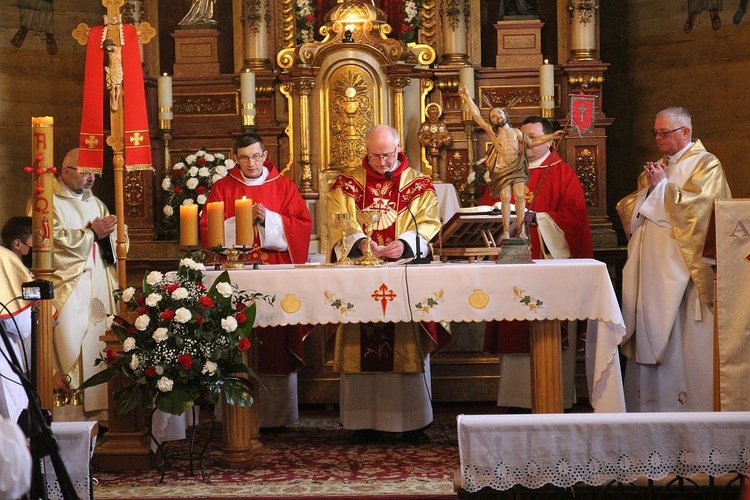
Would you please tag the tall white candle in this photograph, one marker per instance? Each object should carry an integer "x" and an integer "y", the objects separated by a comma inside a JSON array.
[
  {"x": 247, "y": 92},
  {"x": 466, "y": 77},
  {"x": 547, "y": 89},
  {"x": 164, "y": 88}
]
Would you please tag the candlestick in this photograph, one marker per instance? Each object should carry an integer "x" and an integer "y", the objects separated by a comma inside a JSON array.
[
  {"x": 215, "y": 223},
  {"x": 164, "y": 88},
  {"x": 547, "y": 89},
  {"x": 189, "y": 225},
  {"x": 42, "y": 148},
  {"x": 243, "y": 212}
]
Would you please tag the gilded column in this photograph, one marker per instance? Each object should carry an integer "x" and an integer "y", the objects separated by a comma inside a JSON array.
[
  {"x": 305, "y": 86},
  {"x": 455, "y": 15},
  {"x": 256, "y": 19},
  {"x": 582, "y": 17},
  {"x": 398, "y": 83}
]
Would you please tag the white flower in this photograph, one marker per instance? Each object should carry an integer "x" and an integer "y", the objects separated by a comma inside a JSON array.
[
  {"x": 128, "y": 293},
  {"x": 134, "y": 362},
  {"x": 110, "y": 321},
  {"x": 225, "y": 289},
  {"x": 191, "y": 264},
  {"x": 154, "y": 277},
  {"x": 180, "y": 293},
  {"x": 204, "y": 172},
  {"x": 189, "y": 159},
  {"x": 201, "y": 199},
  {"x": 219, "y": 156},
  {"x": 229, "y": 164},
  {"x": 191, "y": 183},
  {"x": 209, "y": 367},
  {"x": 221, "y": 170},
  {"x": 229, "y": 324},
  {"x": 165, "y": 384},
  {"x": 128, "y": 344},
  {"x": 168, "y": 210},
  {"x": 178, "y": 166},
  {"x": 215, "y": 178},
  {"x": 193, "y": 171},
  {"x": 153, "y": 299},
  {"x": 160, "y": 334},
  {"x": 182, "y": 315},
  {"x": 188, "y": 201},
  {"x": 201, "y": 152},
  {"x": 209, "y": 157},
  {"x": 141, "y": 322},
  {"x": 166, "y": 184}
]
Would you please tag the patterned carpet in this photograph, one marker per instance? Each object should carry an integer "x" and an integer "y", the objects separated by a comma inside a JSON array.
[{"x": 313, "y": 459}]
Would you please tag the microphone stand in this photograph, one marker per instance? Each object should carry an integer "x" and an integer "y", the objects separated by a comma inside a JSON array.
[
  {"x": 43, "y": 442},
  {"x": 418, "y": 259}
]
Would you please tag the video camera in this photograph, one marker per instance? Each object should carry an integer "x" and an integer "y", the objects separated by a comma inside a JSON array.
[{"x": 38, "y": 290}]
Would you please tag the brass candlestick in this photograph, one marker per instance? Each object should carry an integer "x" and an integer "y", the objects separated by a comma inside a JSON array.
[
  {"x": 367, "y": 218},
  {"x": 342, "y": 221}
]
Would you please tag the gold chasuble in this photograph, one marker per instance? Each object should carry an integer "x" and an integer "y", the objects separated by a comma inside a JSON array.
[{"x": 387, "y": 347}]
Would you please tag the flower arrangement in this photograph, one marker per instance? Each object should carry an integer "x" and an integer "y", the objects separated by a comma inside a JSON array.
[
  {"x": 412, "y": 20},
  {"x": 305, "y": 17},
  {"x": 188, "y": 183},
  {"x": 186, "y": 343}
]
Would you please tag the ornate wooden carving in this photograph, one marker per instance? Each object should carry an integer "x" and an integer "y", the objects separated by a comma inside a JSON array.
[{"x": 223, "y": 104}]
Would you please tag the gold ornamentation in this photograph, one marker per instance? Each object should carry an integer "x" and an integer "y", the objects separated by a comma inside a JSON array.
[
  {"x": 428, "y": 31},
  {"x": 351, "y": 114},
  {"x": 133, "y": 191},
  {"x": 586, "y": 170},
  {"x": 286, "y": 24},
  {"x": 251, "y": 12},
  {"x": 291, "y": 304},
  {"x": 136, "y": 139},
  {"x": 478, "y": 299},
  {"x": 92, "y": 142},
  {"x": 502, "y": 97},
  {"x": 206, "y": 105},
  {"x": 585, "y": 8},
  {"x": 286, "y": 91}
]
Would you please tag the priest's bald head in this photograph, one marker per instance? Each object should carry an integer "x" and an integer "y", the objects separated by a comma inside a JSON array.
[{"x": 69, "y": 175}]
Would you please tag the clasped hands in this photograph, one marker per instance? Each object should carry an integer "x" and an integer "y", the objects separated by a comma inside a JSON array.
[
  {"x": 655, "y": 173},
  {"x": 393, "y": 250},
  {"x": 103, "y": 226}
]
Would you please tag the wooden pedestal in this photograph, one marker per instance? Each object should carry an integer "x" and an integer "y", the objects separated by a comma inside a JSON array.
[
  {"x": 196, "y": 52},
  {"x": 519, "y": 44}
]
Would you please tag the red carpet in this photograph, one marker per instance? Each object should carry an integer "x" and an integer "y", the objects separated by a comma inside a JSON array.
[{"x": 313, "y": 459}]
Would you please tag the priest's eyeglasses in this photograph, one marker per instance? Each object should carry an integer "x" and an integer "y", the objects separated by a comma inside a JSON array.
[
  {"x": 255, "y": 158},
  {"x": 383, "y": 157},
  {"x": 662, "y": 134}
]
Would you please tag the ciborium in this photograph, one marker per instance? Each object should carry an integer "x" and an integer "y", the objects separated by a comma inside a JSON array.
[
  {"x": 342, "y": 221},
  {"x": 367, "y": 218}
]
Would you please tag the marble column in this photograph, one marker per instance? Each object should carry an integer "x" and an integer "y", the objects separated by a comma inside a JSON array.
[
  {"x": 455, "y": 14},
  {"x": 256, "y": 19},
  {"x": 583, "y": 17}
]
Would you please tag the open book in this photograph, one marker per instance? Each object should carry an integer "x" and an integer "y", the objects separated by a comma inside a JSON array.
[{"x": 485, "y": 209}]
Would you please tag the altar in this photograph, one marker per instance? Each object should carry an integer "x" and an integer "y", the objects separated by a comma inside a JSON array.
[{"x": 544, "y": 293}]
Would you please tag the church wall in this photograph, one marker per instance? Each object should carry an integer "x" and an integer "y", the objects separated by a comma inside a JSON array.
[
  {"x": 34, "y": 83},
  {"x": 655, "y": 64}
]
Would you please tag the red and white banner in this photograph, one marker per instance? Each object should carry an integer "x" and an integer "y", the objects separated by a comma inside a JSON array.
[{"x": 582, "y": 113}]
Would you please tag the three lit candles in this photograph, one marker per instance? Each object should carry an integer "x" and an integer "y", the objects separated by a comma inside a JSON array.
[{"x": 243, "y": 210}]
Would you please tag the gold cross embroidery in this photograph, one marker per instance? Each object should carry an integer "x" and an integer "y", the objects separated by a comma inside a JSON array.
[
  {"x": 92, "y": 142},
  {"x": 136, "y": 139}
]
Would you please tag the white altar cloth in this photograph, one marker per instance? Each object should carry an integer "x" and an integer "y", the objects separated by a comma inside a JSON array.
[
  {"x": 76, "y": 441},
  {"x": 501, "y": 451},
  {"x": 481, "y": 291}
]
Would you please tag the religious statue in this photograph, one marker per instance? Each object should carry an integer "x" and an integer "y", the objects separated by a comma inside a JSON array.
[
  {"x": 113, "y": 72},
  {"x": 200, "y": 13},
  {"x": 506, "y": 159},
  {"x": 518, "y": 8},
  {"x": 434, "y": 136}
]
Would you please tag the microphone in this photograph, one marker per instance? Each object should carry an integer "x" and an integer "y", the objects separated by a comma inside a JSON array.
[{"x": 389, "y": 176}]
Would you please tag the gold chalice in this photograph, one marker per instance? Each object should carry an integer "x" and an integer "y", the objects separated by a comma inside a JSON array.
[
  {"x": 367, "y": 218},
  {"x": 342, "y": 221}
]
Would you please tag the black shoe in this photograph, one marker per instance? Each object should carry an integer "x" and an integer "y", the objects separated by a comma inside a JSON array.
[
  {"x": 415, "y": 437},
  {"x": 365, "y": 436}
]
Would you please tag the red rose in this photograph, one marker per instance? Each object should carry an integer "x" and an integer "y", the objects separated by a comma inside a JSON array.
[
  {"x": 240, "y": 317},
  {"x": 207, "y": 302},
  {"x": 201, "y": 161},
  {"x": 140, "y": 300},
  {"x": 131, "y": 330},
  {"x": 176, "y": 174},
  {"x": 111, "y": 355},
  {"x": 177, "y": 189},
  {"x": 150, "y": 371},
  {"x": 200, "y": 189},
  {"x": 143, "y": 310},
  {"x": 310, "y": 18},
  {"x": 199, "y": 319},
  {"x": 167, "y": 315},
  {"x": 118, "y": 320},
  {"x": 405, "y": 28},
  {"x": 171, "y": 288},
  {"x": 240, "y": 306},
  {"x": 244, "y": 344},
  {"x": 186, "y": 360}
]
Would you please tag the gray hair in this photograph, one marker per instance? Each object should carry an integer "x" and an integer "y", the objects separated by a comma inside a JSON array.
[{"x": 678, "y": 115}]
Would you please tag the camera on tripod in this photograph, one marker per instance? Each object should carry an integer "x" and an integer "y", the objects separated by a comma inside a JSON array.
[{"x": 38, "y": 290}]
